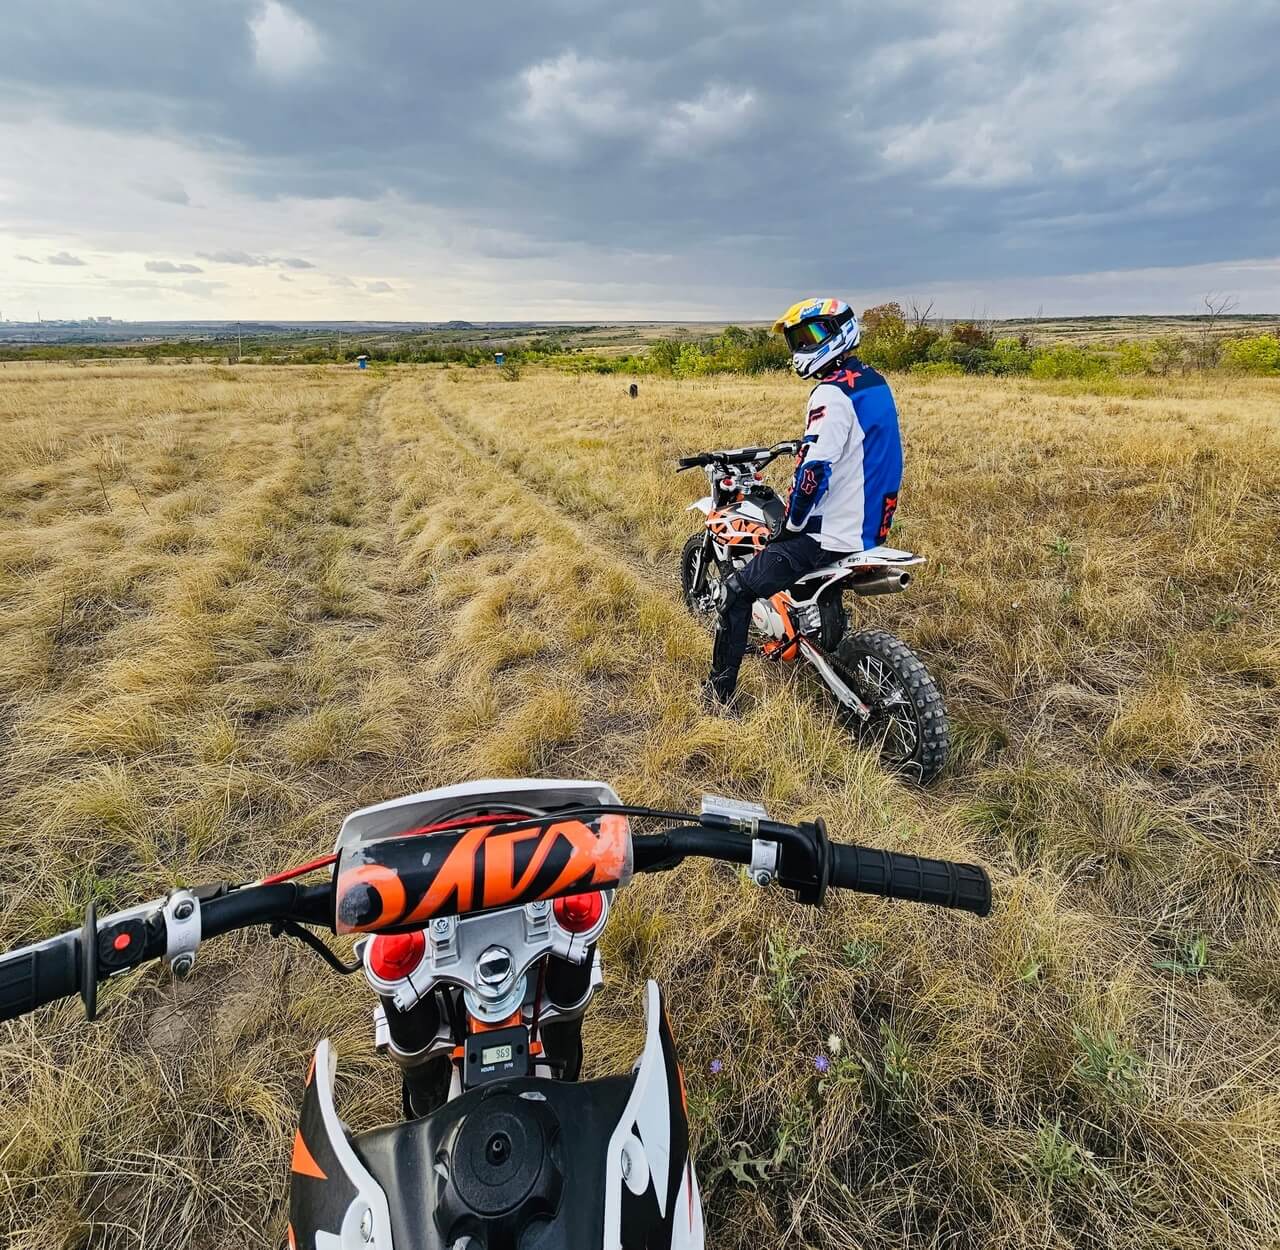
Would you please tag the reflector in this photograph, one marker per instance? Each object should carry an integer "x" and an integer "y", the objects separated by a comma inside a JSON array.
[
  {"x": 578, "y": 912},
  {"x": 395, "y": 955}
]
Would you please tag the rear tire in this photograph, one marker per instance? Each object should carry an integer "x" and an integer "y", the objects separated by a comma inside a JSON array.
[{"x": 908, "y": 724}]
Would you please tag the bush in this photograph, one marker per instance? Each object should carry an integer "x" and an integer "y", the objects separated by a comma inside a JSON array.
[
  {"x": 1011, "y": 356},
  {"x": 1259, "y": 354},
  {"x": 936, "y": 369},
  {"x": 1135, "y": 358},
  {"x": 690, "y": 362},
  {"x": 886, "y": 321},
  {"x": 1067, "y": 362},
  {"x": 1168, "y": 352}
]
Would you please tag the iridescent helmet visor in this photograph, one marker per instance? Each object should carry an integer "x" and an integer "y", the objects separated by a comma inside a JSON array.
[{"x": 809, "y": 335}]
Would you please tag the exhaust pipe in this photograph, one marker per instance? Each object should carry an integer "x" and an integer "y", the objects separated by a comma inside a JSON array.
[{"x": 885, "y": 582}]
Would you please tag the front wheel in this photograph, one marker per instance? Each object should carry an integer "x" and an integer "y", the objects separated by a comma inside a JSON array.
[
  {"x": 908, "y": 723},
  {"x": 700, "y": 580}
]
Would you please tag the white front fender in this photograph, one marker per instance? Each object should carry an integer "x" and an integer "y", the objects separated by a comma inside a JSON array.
[{"x": 703, "y": 505}]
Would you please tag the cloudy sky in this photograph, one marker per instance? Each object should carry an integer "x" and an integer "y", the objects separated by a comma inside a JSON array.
[{"x": 698, "y": 158}]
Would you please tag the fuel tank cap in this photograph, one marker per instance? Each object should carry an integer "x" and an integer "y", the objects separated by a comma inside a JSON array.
[{"x": 501, "y": 1169}]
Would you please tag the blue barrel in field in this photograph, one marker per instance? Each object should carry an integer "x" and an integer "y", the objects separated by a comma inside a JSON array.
[
  {"x": 362, "y": 362},
  {"x": 499, "y": 358}
]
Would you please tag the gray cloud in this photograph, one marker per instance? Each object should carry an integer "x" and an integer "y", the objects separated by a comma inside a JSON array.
[
  {"x": 164, "y": 190},
  {"x": 31, "y": 260},
  {"x": 64, "y": 258},
  {"x": 190, "y": 286},
  {"x": 360, "y": 227},
  {"x": 378, "y": 288},
  {"x": 168, "y": 266},
  {"x": 703, "y": 153},
  {"x": 340, "y": 280},
  {"x": 233, "y": 256}
]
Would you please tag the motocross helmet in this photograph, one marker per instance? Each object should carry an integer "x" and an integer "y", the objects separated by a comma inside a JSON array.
[{"x": 820, "y": 332}]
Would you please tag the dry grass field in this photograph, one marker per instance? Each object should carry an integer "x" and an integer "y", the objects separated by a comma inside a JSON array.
[{"x": 236, "y": 604}]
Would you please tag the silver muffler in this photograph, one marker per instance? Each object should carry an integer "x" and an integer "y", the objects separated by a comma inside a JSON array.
[{"x": 884, "y": 582}]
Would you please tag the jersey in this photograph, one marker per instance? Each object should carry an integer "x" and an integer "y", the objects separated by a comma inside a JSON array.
[{"x": 849, "y": 469}]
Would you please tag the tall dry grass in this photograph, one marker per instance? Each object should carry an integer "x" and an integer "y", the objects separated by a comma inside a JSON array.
[{"x": 234, "y": 607}]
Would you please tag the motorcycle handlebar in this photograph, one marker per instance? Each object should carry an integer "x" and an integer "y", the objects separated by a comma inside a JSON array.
[
  {"x": 737, "y": 455},
  {"x": 892, "y": 874},
  {"x": 805, "y": 861},
  {"x": 74, "y": 962},
  {"x": 888, "y": 874},
  {"x": 39, "y": 974}
]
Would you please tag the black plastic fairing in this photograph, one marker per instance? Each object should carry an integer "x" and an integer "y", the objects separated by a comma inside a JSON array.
[{"x": 575, "y": 1120}]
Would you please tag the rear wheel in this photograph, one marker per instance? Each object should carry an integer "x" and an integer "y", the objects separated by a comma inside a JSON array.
[
  {"x": 908, "y": 724},
  {"x": 700, "y": 580}
]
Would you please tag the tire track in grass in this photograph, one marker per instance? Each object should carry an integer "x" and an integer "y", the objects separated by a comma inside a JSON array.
[{"x": 585, "y": 525}]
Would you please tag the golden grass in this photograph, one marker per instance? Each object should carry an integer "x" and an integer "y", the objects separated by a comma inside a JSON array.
[{"x": 235, "y": 605}]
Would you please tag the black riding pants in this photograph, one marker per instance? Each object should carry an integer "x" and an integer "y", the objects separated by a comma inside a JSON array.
[{"x": 778, "y": 566}]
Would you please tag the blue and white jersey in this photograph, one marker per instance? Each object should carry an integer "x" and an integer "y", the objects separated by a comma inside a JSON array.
[{"x": 849, "y": 470}]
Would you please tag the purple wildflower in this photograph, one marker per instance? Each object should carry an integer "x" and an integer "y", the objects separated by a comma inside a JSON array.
[
  {"x": 716, "y": 1067},
  {"x": 822, "y": 1063}
]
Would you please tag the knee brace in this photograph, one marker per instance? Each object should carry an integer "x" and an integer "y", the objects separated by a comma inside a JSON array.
[{"x": 732, "y": 590}]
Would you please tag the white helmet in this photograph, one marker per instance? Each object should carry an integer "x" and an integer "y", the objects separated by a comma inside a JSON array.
[{"x": 820, "y": 332}]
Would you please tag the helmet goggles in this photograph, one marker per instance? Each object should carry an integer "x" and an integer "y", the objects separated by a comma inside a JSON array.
[{"x": 810, "y": 334}]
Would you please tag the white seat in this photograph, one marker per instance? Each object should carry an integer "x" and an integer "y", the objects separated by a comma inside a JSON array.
[{"x": 873, "y": 557}]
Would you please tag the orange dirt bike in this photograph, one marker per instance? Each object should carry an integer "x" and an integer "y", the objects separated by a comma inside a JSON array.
[
  {"x": 882, "y": 692},
  {"x": 480, "y": 907}
]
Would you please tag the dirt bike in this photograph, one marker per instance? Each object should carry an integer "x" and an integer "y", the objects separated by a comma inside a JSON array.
[
  {"x": 479, "y": 908},
  {"x": 882, "y": 692}
]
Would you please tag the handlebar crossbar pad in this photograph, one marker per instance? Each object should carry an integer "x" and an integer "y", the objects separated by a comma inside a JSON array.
[
  {"x": 892, "y": 874},
  {"x": 400, "y": 883},
  {"x": 40, "y": 974}
]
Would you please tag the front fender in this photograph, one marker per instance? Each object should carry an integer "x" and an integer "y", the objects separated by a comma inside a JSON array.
[{"x": 703, "y": 505}]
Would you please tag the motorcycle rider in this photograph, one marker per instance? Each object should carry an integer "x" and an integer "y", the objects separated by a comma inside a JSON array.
[{"x": 848, "y": 473}]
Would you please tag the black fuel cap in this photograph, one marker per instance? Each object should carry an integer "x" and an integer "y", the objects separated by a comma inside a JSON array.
[{"x": 503, "y": 1170}]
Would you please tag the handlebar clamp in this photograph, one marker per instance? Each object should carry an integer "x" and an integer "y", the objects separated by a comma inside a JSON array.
[{"x": 182, "y": 931}]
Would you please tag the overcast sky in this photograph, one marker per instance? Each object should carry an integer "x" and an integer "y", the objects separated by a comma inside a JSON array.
[{"x": 699, "y": 158}]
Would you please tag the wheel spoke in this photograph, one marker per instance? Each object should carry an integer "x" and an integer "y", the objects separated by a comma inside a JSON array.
[{"x": 892, "y": 727}]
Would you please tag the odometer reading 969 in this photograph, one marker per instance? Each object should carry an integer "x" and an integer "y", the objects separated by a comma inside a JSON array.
[{"x": 495, "y": 1054}]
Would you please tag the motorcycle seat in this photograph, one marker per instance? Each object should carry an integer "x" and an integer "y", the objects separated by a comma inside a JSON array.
[{"x": 871, "y": 558}]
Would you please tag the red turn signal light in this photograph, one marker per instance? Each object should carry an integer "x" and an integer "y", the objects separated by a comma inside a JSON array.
[
  {"x": 579, "y": 912},
  {"x": 395, "y": 955}
]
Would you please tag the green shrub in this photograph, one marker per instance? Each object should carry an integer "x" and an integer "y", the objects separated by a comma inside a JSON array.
[
  {"x": 1135, "y": 358},
  {"x": 1168, "y": 352},
  {"x": 1066, "y": 361},
  {"x": 690, "y": 362},
  {"x": 1011, "y": 356},
  {"x": 1259, "y": 354},
  {"x": 937, "y": 369}
]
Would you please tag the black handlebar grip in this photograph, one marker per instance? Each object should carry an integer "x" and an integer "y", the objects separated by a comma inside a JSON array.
[
  {"x": 894, "y": 875},
  {"x": 40, "y": 974}
]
